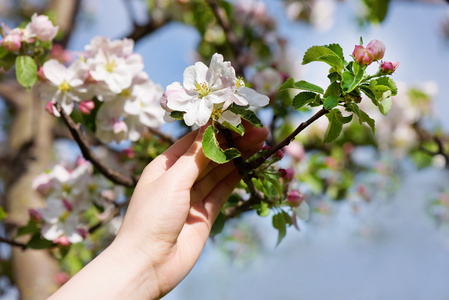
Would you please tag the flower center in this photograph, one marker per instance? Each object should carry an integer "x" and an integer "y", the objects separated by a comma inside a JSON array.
[
  {"x": 216, "y": 113},
  {"x": 239, "y": 82},
  {"x": 126, "y": 93},
  {"x": 64, "y": 87},
  {"x": 110, "y": 66},
  {"x": 202, "y": 89}
]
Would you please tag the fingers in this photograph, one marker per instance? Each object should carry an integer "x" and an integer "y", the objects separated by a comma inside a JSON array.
[{"x": 189, "y": 166}]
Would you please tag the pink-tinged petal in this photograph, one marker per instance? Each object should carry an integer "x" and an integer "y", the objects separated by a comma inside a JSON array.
[
  {"x": 230, "y": 117},
  {"x": 179, "y": 100},
  {"x": 254, "y": 98},
  {"x": 54, "y": 71}
]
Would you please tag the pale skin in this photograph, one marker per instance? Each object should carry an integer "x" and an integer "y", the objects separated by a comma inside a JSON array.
[{"x": 167, "y": 223}]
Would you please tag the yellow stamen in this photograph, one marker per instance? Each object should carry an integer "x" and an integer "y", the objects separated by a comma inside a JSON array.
[
  {"x": 202, "y": 89},
  {"x": 239, "y": 82},
  {"x": 126, "y": 93},
  {"x": 216, "y": 113},
  {"x": 64, "y": 87},
  {"x": 65, "y": 216},
  {"x": 110, "y": 66}
]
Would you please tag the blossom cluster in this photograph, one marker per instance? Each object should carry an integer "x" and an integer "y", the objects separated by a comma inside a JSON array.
[
  {"x": 69, "y": 192},
  {"x": 111, "y": 73},
  {"x": 374, "y": 51},
  {"x": 40, "y": 28},
  {"x": 208, "y": 92}
]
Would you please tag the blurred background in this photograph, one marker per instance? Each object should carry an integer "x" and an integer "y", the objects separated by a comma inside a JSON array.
[{"x": 388, "y": 236}]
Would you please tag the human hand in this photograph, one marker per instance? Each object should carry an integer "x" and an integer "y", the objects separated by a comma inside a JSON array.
[{"x": 167, "y": 224}]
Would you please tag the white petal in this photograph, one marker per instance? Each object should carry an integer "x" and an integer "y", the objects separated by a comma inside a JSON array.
[
  {"x": 231, "y": 118},
  {"x": 303, "y": 211},
  {"x": 55, "y": 71},
  {"x": 254, "y": 98}
]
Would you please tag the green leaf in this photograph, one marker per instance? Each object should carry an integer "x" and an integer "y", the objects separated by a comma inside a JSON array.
[
  {"x": 8, "y": 61},
  {"x": 376, "y": 10},
  {"x": 350, "y": 81},
  {"x": 322, "y": 53},
  {"x": 26, "y": 71},
  {"x": 340, "y": 118},
  {"x": 288, "y": 84},
  {"x": 280, "y": 225},
  {"x": 3, "y": 52},
  {"x": 367, "y": 91},
  {"x": 383, "y": 88},
  {"x": 301, "y": 85},
  {"x": 263, "y": 209},
  {"x": 336, "y": 48},
  {"x": 354, "y": 108},
  {"x": 239, "y": 129},
  {"x": 333, "y": 90},
  {"x": 385, "y": 104},
  {"x": 365, "y": 118},
  {"x": 331, "y": 101},
  {"x": 212, "y": 150},
  {"x": 387, "y": 81},
  {"x": 38, "y": 242},
  {"x": 3, "y": 214},
  {"x": 274, "y": 180},
  {"x": 31, "y": 227},
  {"x": 247, "y": 115},
  {"x": 333, "y": 129},
  {"x": 218, "y": 224},
  {"x": 302, "y": 99},
  {"x": 334, "y": 76},
  {"x": 177, "y": 115}
]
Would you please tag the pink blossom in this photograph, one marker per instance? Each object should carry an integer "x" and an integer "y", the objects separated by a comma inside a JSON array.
[
  {"x": 86, "y": 106},
  {"x": 12, "y": 42},
  {"x": 41, "y": 27},
  {"x": 295, "y": 197},
  {"x": 295, "y": 150},
  {"x": 62, "y": 240},
  {"x": 279, "y": 154},
  {"x": 388, "y": 67},
  {"x": 35, "y": 215},
  {"x": 363, "y": 56},
  {"x": 61, "y": 278},
  {"x": 377, "y": 48},
  {"x": 60, "y": 54}
]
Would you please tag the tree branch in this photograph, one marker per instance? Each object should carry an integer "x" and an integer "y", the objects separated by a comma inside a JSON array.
[
  {"x": 13, "y": 243},
  {"x": 85, "y": 148}
]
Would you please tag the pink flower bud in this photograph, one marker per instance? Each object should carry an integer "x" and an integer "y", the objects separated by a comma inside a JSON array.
[
  {"x": 62, "y": 241},
  {"x": 61, "y": 278},
  {"x": 362, "y": 56},
  {"x": 83, "y": 232},
  {"x": 119, "y": 127},
  {"x": 282, "y": 172},
  {"x": 35, "y": 215},
  {"x": 128, "y": 152},
  {"x": 377, "y": 48},
  {"x": 49, "y": 108},
  {"x": 295, "y": 197},
  {"x": 41, "y": 75},
  {"x": 290, "y": 174},
  {"x": 388, "y": 67},
  {"x": 86, "y": 106},
  {"x": 331, "y": 162},
  {"x": 266, "y": 147},
  {"x": 42, "y": 183},
  {"x": 279, "y": 154},
  {"x": 12, "y": 42}
]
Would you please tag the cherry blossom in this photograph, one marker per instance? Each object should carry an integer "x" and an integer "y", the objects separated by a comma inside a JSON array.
[{"x": 41, "y": 27}]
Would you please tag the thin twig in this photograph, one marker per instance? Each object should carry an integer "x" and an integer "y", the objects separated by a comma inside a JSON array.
[
  {"x": 257, "y": 162},
  {"x": 85, "y": 148},
  {"x": 13, "y": 243},
  {"x": 168, "y": 138}
]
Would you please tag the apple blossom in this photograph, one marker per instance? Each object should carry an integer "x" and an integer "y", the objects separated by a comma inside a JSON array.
[
  {"x": 65, "y": 85},
  {"x": 41, "y": 27},
  {"x": 267, "y": 81},
  {"x": 86, "y": 106},
  {"x": 388, "y": 67},
  {"x": 377, "y": 48},
  {"x": 363, "y": 56},
  {"x": 12, "y": 42}
]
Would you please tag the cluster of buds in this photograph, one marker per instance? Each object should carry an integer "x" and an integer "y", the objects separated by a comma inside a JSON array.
[
  {"x": 374, "y": 51},
  {"x": 40, "y": 28}
]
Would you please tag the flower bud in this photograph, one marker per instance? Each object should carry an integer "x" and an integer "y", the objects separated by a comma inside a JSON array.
[
  {"x": 282, "y": 172},
  {"x": 266, "y": 148},
  {"x": 41, "y": 27},
  {"x": 49, "y": 108},
  {"x": 61, "y": 278},
  {"x": 12, "y": 42},
  {"x": 377, "y": 48},
  {"x": 362, "y": 56},
  {"x": 295, "y": 197},
  {"x": 279, "y": 154},
  {"x": 388, "y": 67},
  {"x": 290, "y": 174},
  {"x": 35, "y": 215},
  {"x": 62, "y": 241},
  {"x": 86, "y": 106}
]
